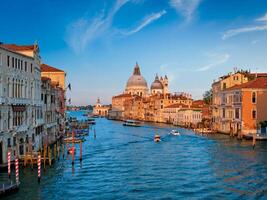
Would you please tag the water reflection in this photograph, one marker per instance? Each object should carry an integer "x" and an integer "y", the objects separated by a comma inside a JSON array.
[{"x": 125, "y": 162}]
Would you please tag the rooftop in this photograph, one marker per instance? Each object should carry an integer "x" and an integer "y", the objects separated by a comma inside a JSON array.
[
  {"x": 258, "y": 83},
  {"x": 15, "y": 47},
  {"x": 47, "y": 68}
]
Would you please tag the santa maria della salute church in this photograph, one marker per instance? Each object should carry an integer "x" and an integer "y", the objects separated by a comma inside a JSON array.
[
  {"x": 147, "y": 104},
  {"x": 137, "y": 85}
]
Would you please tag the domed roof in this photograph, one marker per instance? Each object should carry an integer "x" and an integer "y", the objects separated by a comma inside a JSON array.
[
  {"x": 136, "y": 80},
  {"x": 156, "y": 84}
]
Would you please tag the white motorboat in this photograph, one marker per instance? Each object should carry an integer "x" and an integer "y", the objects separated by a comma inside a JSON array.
[{"x": 175, "y": 132}]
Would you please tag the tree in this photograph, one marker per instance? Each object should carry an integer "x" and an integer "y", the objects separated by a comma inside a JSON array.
[{"x": 207, "y": 97}]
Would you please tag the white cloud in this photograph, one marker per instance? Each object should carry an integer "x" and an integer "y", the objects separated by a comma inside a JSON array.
[
  {"x": 263, "y": 18},
  {"x": 83, "y": 31},
  {"x": 216, "y": 60},
  {"x": 148, "y": 20},
  {"x": 185, "y": 7},
  {"x": 247, "y": 29},
  {"x": 237, "y": 31}
]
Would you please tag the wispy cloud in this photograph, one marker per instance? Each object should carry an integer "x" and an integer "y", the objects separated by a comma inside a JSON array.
[
  {"x": 262, "y": 19},
  {"x": 185, "y": 7},
  {"x": 148, "y": 20},
  {"x": 83, "y": 31},
  {"x": 216, "y": 60},
  {"x": 247, "y": 29}
]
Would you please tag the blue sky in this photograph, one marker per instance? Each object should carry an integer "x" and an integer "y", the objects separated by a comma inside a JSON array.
[{"x": 97, "y": 42}]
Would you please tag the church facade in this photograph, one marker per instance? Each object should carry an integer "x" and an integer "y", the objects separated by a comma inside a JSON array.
[{"x": 139, "y": 102}]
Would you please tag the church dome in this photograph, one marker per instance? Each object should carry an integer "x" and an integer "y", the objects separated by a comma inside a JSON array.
[
  {"x": 136, "y": 80},
  {"x": 156, "y": 85}
]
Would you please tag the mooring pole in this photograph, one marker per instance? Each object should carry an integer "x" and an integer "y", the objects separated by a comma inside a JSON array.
[
  {"x": 17, "y": 169},
  {"x": 8, "y": 162},
  {"x": 81, "y": 150},
  {"x": 72, "y": 152},
  {"x": 39, "y": 168}
]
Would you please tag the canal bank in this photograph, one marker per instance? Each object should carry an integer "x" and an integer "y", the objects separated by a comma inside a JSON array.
[{"x": 124, "y": 162}]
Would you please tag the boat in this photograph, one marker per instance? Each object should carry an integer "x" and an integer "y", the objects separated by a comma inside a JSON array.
[
  {"x": 258, "y": 136},
  {"x": 91, "y": 121},
  {"x": 8, "y": 189},
  {"x": 175, "y": 132},
  {"x": 157, "y": 138},
  {"x": 75, "y": 140},
  {"x": 131, "y": 123}
]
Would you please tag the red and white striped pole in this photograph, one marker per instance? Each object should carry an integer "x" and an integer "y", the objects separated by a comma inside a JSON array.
[
  {"x": 17, "y": 169},
  {"x": 39, "y": 168},
  {"x": 8, "y": 162}
]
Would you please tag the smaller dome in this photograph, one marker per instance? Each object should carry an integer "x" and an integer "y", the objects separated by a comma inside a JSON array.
[{"x": 156, "y": 85}]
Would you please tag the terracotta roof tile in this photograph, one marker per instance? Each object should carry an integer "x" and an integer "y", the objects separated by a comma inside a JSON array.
[
  {"x": 15, "y": 47},
  {"x": 122, "y": 95},
  {"x": 47, "y": 68},
  {"x": 260, "y": 82}
]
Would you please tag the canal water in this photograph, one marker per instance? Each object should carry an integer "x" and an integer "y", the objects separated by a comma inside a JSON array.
[{"x": 125, "y": 163}]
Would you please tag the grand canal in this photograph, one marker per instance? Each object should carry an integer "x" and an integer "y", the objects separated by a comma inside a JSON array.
[{"x": 125, "y": 163}]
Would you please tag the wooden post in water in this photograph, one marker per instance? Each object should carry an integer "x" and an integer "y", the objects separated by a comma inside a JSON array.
[
  {"x": 8, "y": 162},
  {"x": 254, "y": 140},
  {"x": 39, "y": 167},
  {"x": 63, "y": 151},
  {"x": 81, "y": 150},
  {"x": 49, "y": 156},
  {"x": 72, "y": 153},
  {"x": 17, "y": 169},
  {"x": 58, "y": 151}
]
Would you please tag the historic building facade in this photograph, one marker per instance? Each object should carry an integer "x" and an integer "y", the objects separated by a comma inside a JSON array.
[
  {"x": 24, "y": 117},
  {"x": 20, "y": 109},
  {"x": 234, "y": 106},
  {"x": 100, "y": 110},
  {"x": 139, "y": 103}
]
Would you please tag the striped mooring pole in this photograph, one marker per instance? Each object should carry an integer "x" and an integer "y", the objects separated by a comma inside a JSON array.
[
  {"x": 8, "y": 163},
  {"x": 17, "y": 169},
  {"x": 39, "y": 168}
]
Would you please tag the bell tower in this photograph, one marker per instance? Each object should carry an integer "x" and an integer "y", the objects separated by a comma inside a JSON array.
[{"x": 165, "y": 83}]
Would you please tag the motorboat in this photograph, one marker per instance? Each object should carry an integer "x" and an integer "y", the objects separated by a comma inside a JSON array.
[
  {"x": 157, "y": 138},
  {"x": 91, "y": 121},
  {"x": 175, "y": 132},
  {"x": 131, "y": 123}
]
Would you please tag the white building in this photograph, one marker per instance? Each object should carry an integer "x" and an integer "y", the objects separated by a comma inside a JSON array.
[
  {"x": 21, "y": 121},
  {"x": 188, "y": 117}
]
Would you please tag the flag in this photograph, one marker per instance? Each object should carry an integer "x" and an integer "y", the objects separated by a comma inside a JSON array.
[{"x": 69, "y": 86}]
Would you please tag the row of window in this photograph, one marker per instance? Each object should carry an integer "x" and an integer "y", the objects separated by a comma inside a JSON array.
[
  {"x": 237, "y": 98},
  {"x": 237, "y": 113},
  {"x": 18, "y": 64}
]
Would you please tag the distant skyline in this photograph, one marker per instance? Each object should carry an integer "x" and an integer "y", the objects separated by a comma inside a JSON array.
[{"x": 98, "y": 42}]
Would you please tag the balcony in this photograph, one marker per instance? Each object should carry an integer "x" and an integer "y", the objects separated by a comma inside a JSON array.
[
  {"x": 39, "y": 122},
  {"x": 19, "y": 101},
  {"x": 21, "y": 128},
  {"x": 49, "y": 125}
]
